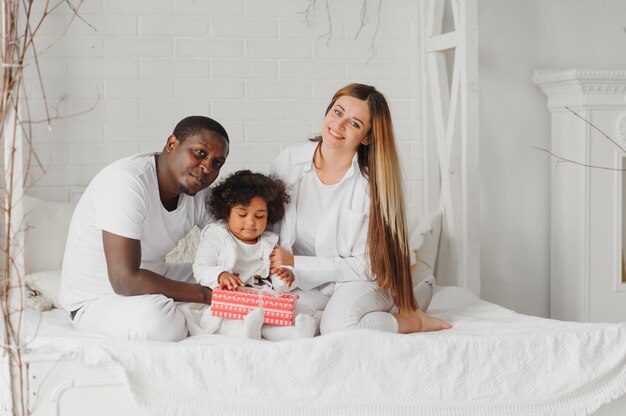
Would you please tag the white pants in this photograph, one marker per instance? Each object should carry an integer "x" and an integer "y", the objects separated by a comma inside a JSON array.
[
  {"x": 142, "y": 317},
  {"x": 358, "y": 305}
]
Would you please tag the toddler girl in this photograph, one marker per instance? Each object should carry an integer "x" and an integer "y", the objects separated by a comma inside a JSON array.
[{"x": 235, "y": 250}]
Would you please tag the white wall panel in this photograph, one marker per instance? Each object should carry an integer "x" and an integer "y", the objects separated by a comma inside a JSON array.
[{"x": 258, "y": 67}]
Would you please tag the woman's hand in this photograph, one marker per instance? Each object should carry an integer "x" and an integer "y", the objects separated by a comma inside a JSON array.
[
  {"x": 229, "y": 280},
  {"x": 280, "y": 257},
  {"x": 285, "y": 275}
]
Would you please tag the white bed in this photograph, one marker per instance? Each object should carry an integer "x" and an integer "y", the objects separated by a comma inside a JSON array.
[{"x": 494, "y": 361}]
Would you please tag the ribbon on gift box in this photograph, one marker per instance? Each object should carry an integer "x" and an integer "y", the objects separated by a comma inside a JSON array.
[{"x": 261, "y": 292}]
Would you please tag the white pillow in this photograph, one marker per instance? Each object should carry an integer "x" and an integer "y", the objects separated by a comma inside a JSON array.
[
  {"x": 185, "y": 250},
  {"x": 47, "y": 224},
  {"x": 47, "y": 284},
  {"x": 424, "y": 245}
]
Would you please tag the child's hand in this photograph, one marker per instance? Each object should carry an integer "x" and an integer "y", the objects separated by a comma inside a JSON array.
[
  {"x": 285, "y": 275},
  {"x": 229, "y": 280}
]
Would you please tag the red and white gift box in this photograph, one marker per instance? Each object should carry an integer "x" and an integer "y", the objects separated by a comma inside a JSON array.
[{"x": 278, "y": 307}]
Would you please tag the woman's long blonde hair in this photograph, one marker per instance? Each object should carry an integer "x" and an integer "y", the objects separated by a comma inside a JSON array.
[{"x": 387, "y": 239}]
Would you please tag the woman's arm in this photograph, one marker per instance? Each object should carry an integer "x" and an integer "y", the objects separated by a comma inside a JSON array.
[
  {"x": 314, "y": 271},
  {"x": 349, "y": 262}
]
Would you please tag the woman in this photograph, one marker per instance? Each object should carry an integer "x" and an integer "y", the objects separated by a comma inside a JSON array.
[{"x": 346, "y": 222}]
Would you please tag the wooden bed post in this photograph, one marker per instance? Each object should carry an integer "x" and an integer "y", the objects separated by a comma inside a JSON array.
[{"x": 450, "y": 111}]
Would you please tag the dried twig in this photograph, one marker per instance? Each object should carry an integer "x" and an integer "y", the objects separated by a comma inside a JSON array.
[
  {"x": 373, "y": 45},
  {"x": 307, "y": 12},
  {"x": 58, "y": 115},
  {"x": 75, "y": 11},
  {"x": 363, "y": 19},
  {"x": 19, "y": 28},
  {"x": 307, "y": 18},
  {"x": 561, "y": 159},
  {"x": 596, "y": 128}
]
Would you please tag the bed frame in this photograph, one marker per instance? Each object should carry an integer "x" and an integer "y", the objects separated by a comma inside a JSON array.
[{"x": 60, "y": 386}]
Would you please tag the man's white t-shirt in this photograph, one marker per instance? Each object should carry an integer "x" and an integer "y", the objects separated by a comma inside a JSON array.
[{"x": 123, "y": 199}]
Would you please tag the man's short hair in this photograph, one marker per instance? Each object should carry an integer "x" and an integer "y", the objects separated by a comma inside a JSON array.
[{"x": 194, "y": 124}]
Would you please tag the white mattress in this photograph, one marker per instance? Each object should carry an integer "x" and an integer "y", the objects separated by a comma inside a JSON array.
[
  {"x": 53, "y": 329},
  {"x": 493, "y": 361}
]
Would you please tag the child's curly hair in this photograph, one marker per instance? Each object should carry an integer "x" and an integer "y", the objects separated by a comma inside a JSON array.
[{"x": 241, "y": 187}]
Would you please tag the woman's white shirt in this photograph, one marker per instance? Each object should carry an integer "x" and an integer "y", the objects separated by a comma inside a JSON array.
[
  {"x": 313, "y": 198},
  {"x": 341, "y": 230}
]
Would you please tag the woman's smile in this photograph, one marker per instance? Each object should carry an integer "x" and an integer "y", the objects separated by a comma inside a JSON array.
[{"x": 335, "y": 134}]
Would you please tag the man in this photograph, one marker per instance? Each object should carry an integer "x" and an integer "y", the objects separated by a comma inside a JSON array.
[{"x": 115, "y": 280}]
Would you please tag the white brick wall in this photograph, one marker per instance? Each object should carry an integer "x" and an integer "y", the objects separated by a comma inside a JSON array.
[{"x": 257, "y": 66}]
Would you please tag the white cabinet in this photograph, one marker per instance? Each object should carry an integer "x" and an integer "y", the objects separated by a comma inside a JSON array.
[{"x": 587, "y": 210}]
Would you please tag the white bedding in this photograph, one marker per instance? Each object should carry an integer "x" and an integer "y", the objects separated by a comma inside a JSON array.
[{"x": 494, "y": 361}]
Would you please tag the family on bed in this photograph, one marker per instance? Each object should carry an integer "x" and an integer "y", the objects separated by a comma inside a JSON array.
[{"x": 335, "y": 203}]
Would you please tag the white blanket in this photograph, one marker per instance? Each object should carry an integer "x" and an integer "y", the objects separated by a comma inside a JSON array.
[{"x": 494, "y": 361}]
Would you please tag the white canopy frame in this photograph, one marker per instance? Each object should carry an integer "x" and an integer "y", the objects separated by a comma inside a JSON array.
[{"x": 450, "y": 111}]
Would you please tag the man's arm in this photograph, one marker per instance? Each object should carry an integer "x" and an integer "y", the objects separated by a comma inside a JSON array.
[{"x": 123, "y": 257}]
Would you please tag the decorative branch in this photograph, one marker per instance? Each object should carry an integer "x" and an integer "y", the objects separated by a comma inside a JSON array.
[
  {"x": 58, "y": 115},
  {"x": 596, "y": 128},
  {"x": 330, "y": 24},
  {"x": 363, "y": 18},
  {"x": 561, "y": 159},
  {"x": 19, "y": 29},
  {"x": 372, "y": 46},
  {"x": 75, "y": 11}
]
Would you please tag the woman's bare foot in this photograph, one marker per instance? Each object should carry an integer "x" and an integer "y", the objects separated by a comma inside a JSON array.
[{"x": 418, "y": 321}]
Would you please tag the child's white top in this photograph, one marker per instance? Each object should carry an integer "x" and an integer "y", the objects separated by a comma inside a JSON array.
[
  {"x": 247, "y": 261},
  {"x": 217, "y": 253}
]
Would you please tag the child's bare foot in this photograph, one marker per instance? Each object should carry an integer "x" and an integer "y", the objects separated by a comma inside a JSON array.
[{"x": 418, "y": 321}]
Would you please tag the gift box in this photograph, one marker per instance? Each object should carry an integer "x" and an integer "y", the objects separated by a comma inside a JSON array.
[{"x": 278, "y": 307}]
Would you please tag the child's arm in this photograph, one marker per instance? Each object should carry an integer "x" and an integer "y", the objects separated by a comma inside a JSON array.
[{"x": 206, "y": 267}]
